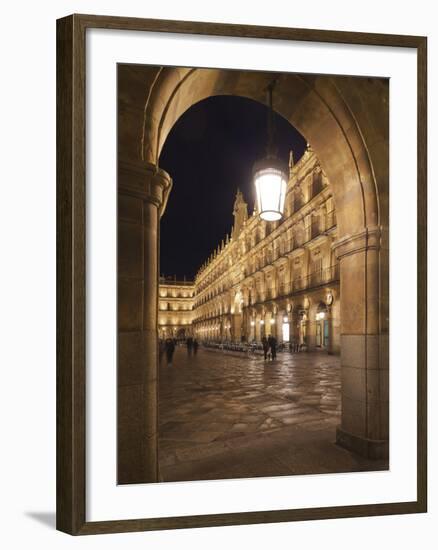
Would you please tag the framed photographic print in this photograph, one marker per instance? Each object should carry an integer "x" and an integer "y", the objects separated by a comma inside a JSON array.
[{"x": 241, "y": 228}]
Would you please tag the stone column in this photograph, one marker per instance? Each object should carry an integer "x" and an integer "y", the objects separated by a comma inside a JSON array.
[
  {"x": 142, "y": 194},
  {"x": 294, "y": 329},
  {"x": 304, "y": 329},
  {"x": 329, "y": 320},
  {"x": 263, "y": 329},
  {"x": 364, "y": 345},
  {"x": 311, "y": 327},
  {"x": 285, "y": 315}
]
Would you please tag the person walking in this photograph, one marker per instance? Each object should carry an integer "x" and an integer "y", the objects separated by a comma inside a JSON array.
[
  {"x": 265, "y": 346},
  {"x": 161, "y": 348},
  {"x": 195, "y": 346},
  {"x": 295, "y": 345},
  {"x": 189, "y": 343},
  {"x": 170, "y": 349},
  {"x": 273, "y": 346}
]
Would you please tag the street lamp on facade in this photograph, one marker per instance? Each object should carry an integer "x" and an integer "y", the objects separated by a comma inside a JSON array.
[{"x": 270, "y": 177}]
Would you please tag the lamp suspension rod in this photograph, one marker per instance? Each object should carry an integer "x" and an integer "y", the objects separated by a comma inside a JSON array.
[
  {"x": 270, "y": 146},
  {"x": 270, "y": 120}
]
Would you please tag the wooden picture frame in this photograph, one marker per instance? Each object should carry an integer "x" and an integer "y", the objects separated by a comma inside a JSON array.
[{"x": 71, "y": 271}]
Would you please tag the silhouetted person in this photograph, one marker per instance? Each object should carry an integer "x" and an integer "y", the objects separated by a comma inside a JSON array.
[
  {"x": 195, "y": 346},
  {"x": 272, "y": 341},
  {"x": 265, "y": 346},
  {"x": 170, "y": 349},
  {"x": 189, "y": 344},
  {"x": 161, "y": 348}
]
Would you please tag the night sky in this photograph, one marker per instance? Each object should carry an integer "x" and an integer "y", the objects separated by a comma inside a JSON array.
[{"x": 209, "y": 153}]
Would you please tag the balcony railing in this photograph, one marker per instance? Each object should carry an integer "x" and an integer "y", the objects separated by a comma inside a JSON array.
[
  {"x": 322, "y": 277},
  {"x": 270, "y": 293},
  {"x": 313, "y": 230},
  {"x": 331, "y": 219},
  {"x": 313, "y": 280}
]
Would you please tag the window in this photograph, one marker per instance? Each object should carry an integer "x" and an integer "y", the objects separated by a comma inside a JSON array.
[
  {"x": 316, "y": 271},
  {"x": 316, "y": 183},
  {"x": 298, "y": 199}
]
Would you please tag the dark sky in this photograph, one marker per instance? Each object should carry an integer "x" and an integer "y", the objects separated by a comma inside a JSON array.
[{"x": 209, "y": 153}]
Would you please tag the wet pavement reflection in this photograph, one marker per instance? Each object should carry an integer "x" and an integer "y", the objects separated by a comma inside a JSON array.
[{"x": 227, "y": 415}]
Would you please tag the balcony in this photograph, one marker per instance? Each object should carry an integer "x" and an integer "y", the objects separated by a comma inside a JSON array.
[
  {"x": 270, "y": 293},
  {"x": 284, "y": 289},
  {"x": 314, "y": 280},
  {"x": 313, "y": 230},
  {"x": 299, "y": 284},
  {"x": 293, "y": 243},
  {"x": 319, "y": 278},
  {"x": 258, "y": 297},
  {"x": 331, "y": 219}
]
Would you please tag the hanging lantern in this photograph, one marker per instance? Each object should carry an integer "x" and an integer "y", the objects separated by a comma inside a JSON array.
[
  {"x": 270, "y": 183},
  {"x": 270, "y": 175}
]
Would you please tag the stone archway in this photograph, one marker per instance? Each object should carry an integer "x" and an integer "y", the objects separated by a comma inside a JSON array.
[{"x": 346, "y": 122}]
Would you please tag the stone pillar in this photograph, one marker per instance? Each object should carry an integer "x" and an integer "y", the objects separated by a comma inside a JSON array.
[
  {"x": 142, "y": 194},
  {"x": 364, "y": 346},
  {"x": 294, "y": 329},
  {"x": 236, "y": 327},
  {"x": 274, "y": 317},
  {"x": 330, "y": 330},
  {"x": 311, "y": 327},
  {"x": 257, "y": 327},
  {"x": 253, "y": 327},
  {"x": 304, "y": 329}
]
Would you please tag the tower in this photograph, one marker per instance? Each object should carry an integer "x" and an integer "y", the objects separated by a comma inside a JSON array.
[{"x": 240, "y": 213}]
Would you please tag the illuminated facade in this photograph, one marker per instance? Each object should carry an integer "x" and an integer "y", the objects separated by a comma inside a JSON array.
[
  {"x": 278, "y": 278},
  {"x": 175, "y": 308}
]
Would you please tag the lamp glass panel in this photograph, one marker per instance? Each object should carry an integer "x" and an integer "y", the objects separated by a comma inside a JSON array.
[{"x": 271, "y": 193}]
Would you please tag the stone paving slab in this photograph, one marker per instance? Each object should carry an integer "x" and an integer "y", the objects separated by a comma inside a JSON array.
[
  {"x": 272, "y": 455},
  {"x": 226, "y": 416}
]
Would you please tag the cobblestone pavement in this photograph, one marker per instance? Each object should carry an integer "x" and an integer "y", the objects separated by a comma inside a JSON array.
[{"x": 229, "y": 416}]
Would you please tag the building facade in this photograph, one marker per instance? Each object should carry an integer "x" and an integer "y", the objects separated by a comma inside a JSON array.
[
  {"x": 278, "y": 278},
  {"x": 175, "y": 308}
]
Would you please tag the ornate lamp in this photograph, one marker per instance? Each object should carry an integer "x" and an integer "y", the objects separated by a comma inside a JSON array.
[{"x": 270, "y": 177}]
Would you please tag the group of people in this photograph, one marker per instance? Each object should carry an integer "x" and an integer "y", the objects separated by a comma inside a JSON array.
[
  {"x": 295, "y": 346},
  {"x": 167, "y": 347},
  {"x": 192, "y": 345},
  {"x": 269, "y": 345}
]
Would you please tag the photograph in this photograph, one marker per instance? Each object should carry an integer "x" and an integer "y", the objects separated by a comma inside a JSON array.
[
  {"x": 215, "y": 275},
  {"x": 253, "y": 274}
]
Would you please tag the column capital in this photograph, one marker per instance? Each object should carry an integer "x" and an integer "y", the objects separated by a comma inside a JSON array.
[
  {"x": 368, "y": 239},
  {"x": 145, "y": 181}
]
